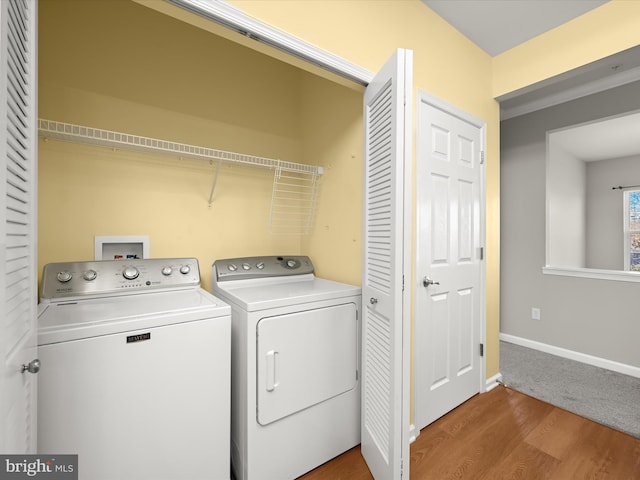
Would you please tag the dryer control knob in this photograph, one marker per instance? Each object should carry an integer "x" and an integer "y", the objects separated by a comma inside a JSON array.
[
  {"x": 130, "y": 272},
  {"x": 260, "y": 265},
  {"x": 166, "y": 271},
  {"x": 90, "y": 275},
  {"x": 246, "y": 266},
  {"x": 232, "y": 267},
  {"x": 64, "y": 277},
  {"x": 184, "y": 269}
]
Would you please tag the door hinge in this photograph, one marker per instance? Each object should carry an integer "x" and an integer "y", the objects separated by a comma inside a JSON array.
[
  {"x": 481, "y": 157},
  {"x": 481, "y": 253},
  {"x": 482, "y": 349}
]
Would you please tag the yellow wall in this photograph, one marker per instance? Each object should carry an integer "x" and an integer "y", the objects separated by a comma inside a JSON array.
[
  {"x": 606, "y": 30},
  {"x": 119, "y": 65},
  {"x": 446, "y": 64}
]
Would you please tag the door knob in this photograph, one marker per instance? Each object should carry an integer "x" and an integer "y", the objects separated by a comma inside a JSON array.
[
  {"x": 426, "y": 281},
  {"x": 32, "y": 367}
]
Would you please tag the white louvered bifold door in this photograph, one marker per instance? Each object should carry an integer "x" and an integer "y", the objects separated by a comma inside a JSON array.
[
  {"x": 385, "y": 329},
  {"x": 18, "y": 284}
]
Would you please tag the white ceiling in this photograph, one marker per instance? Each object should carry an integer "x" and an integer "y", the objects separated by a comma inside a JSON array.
[
  {"x": 605, "y": 139},
  {"x": 498, "y": 25}
]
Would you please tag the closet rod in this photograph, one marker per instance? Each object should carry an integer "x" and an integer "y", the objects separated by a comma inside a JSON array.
[{"x": 108, "y": 138}]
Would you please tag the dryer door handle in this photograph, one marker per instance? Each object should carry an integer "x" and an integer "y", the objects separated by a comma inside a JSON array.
[{"x": 272, "y": 370}]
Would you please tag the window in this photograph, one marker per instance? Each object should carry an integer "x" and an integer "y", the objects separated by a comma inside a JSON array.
[{"x": 632, "y": 230}]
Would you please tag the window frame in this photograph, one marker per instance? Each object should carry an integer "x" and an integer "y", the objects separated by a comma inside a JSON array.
[{"x": 627, "y": 231}]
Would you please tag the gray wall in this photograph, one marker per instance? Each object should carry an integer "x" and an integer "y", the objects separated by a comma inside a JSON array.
[
  {"x": 605, "y": 242},
  {"x": 590, "y": 316}
]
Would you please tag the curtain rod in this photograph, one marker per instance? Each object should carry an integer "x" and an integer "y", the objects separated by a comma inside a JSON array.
[{"x": 619, "y": 187}]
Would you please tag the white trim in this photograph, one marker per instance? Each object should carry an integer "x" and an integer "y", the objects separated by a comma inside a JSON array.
[
  {"x": 413, "y": 433},
  {"x": 615, "y": 275},
  {"x": 493, "y": 382},
  {"x": 232, "y": 17},
  {"x": 571, "y": 93},
  {"x": 573, "y": 355}
]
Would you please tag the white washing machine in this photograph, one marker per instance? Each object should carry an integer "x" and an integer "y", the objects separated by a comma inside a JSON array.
[
  {"x": 135, "y": 370},
  {"x": 295, "y": 365}
]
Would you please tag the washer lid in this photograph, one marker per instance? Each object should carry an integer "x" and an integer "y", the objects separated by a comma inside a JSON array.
[
  {"x": 262, "y": 294},
  {"x": 61, "y": 322}
]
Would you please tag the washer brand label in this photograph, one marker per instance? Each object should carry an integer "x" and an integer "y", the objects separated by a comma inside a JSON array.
[
  {"x": 139, "y": 338},
  {"x": 53, "y": 467}
]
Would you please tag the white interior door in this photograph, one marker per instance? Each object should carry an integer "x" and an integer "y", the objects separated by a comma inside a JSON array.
[
  {"x": 449, "y": 313},
  {"x": 18, "y": 284},
  {"x": 386, "y": 264}
]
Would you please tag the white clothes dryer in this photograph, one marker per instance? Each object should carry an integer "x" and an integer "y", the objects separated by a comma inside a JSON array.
[
  {"x": 136, "y": 368},
  {"x": 295, "y": 388}
]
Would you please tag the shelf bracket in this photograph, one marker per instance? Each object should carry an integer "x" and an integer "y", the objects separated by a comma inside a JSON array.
[{"x": 215, "y": 180}]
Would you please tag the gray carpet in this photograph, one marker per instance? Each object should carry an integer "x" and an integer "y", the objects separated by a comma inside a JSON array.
[{"x": 607, "y": 397}]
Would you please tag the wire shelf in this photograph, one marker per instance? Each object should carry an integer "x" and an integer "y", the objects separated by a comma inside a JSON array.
[
  {"x": 293, "y": 202},
  {"x": 295, "y": 185}
]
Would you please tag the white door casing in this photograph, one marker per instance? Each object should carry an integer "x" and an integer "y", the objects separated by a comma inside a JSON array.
[
  {"x": 18, "y": 284},
  {"x": 450, "y": 232},
  {"x": 386, "y": 264}
]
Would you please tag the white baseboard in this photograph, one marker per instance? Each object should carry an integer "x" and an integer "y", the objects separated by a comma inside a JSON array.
[
  {"x": 573, "y": 355},
  {"x": 493, "y": 382},
  {"x": 413, "y": 433}
]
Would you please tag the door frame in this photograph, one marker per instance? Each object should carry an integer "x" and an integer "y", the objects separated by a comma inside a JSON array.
[{"x": 429, "y": 99}]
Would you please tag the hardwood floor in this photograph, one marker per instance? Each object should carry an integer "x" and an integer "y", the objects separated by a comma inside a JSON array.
[{"x": 504, "y": 434}]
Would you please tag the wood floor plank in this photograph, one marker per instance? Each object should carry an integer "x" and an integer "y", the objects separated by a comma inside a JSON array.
[
  {"x": 497, "y": 425},
  {"x": 557, "y": 432},
  {"x": 523, "y": 463},
  {"x": 602, "y": 453},
  {"x": 348, "y": 466},
  {"x": 503, "y": 434}
]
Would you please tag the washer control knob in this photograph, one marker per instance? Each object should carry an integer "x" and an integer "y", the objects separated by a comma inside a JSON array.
[
  {"x": 64, "y": 277},
  {"x": 246, "y": 266},
  {"x": 260, "y": 265},
  {"x": 291, "y": 263},
  {"x": 130, "y": 272},
  {"x": 90, "y": 275},
  {"x": 184, "y": 269},
  {"x": 166, "y": 271},
  {"x": 231, "y": 267}
]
